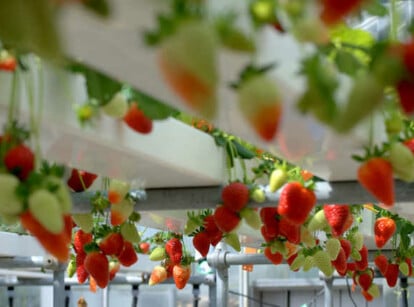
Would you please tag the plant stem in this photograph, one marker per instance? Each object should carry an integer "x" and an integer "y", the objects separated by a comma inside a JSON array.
[
  {"x": 13, "y": 98},
  {"x": 394, "y": 21}
]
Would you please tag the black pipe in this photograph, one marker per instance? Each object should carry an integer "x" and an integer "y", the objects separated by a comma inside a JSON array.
[
  {"x": 404, "y": 291},
  {"x": 135, "y": 289},
  {"x": 10, "y": 291},
  {"x": 196, "y": 294}
]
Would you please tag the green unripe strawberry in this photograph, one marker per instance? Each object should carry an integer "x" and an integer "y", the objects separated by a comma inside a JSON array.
[
  {"x": 62, "y": 194},
  {"x": 404, "y": 269},
  {"x": 318, "y": 221},
  {"x": 278, "y": 246},
  {"x": 47, "y": 211},
  {"x": 333, "y": 247},
  {"x": 298, "y": 262},
  {"x": 355, "y": 255},
  {"x": 322, "y": 261},
  {"x": 365, "y": 96},
  {"x": 130, "y": 233},
  {"x": 357, "y": 240},
  {"x": 308, "y": 263},
  {"x": 117, "y": 106},
  {"x": 232, "y": 239},
  {"x": 306, "y": 237},
  {"x": 394, "y": 124},
  {"x": 258, "y": 195},
  {"x": 402, "y": 161},
  {"x": 374, "y": 290},
  {"x": 71, "y": 268},
  {"x": 158, "y": 254},
  {"x": 251, "y": 217},
  {"x": 84, "y": 221},
  {"x": 277, "y": 179},
  {"x": 10, "y": 204},
  {"x": 190, "y": 226}
]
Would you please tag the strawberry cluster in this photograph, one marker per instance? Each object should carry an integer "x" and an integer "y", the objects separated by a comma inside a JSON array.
[
  {"x": 37, "y": 198},
  {"x": 174, "y": 262},
  {"x": 99, "y": 257}
]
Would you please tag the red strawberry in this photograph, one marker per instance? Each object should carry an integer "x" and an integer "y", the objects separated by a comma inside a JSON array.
[
  {"x": 362, "y": 264},
  {"x": 391, "y": 274},
  {"x": 97, "y": 265},
  {"x": 56, "y": 244},
  {"x": 80, "y": 239},
  {"x": 181, "y": 275},
  {"x": 235, "y": 196},
  {"x": 137, "y": 120},
  {"x": 351, "y": 266},
  {"x": 376, "y": 176},
  {"x": 268, "y": 215},
  {"x": 114, "y": 267},
  {"x": 408, "y": 56},
  {"x": 201, "y": 242},
  {"x": 296, "y": 202},
  {"x": 384, "y": 229},
  {"x": 81, "y": 274},
  {"x": 158, "y": 275},
  {"x": 259, "y": 103},
  {"x": 128, "y": 255},
  {"x": 266, "y": 236},
  {"x": 226, "y": 220},
  {"x": 80, "y": 180},
  {"x": 169, "y": 266},
  {"x": 365, "y": 279},
  {"x": 337, "y": 215},
  {"x": 144, "y": 247},
  {"x": 340, "y": 262},
  {"x": 20, "y": 161},
  {"x": 346, "y": 245},
  {"x": 405, "y": 89},
  {"x": 112, "y": 244},
  {"x": 381, "y": 261},
  {"x": 210, "y": 227},
  {"x": 174, "y": 249},
  {"x": 334, "y": 11},
  {"x": 275, "y": 258},
  {"x": 289, "y": 230},
  {"x": 192, "y": 75}
]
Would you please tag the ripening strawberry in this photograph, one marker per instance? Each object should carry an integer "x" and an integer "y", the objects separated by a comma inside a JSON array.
[
  {"x": 20, "y": 161},
  {"x": 80, "y": 180},
  {"x": 296, "y": 202},
  {"x": 297, "y": 262},
  {"x": 158, "y": 275},
  {"x": 112, "y": 244},
  {"x": 337, "y": 215},
  {"x": 384, "y": 229},
  {"x": 120, "y": 212},
  {"x": 376, "y": 176},
  {"x": 235, "y": 196},
  {"x": 117, "y": 191},
  {"x": 128, "y": 255},
  {"x": 362, "y": 264},
  {"x": 56, "y": 244},
  {"x": 260, "y": 104},
  {"x": 46, "y": 209},
  {"x": 334, "y": 11},
  {"x": 181, "y": 275},
  {"x": 144, "y": 247},
  {"x": 137, "y": 120},
  {"x": 226, "y": 219},
  {"x": 201, "y": 243},
  {"x": 191, "y": 72},
  {"x": 8, "y": 63},
  {"x": 97, "y": 265},
  {"x": 114, "y": 267}
]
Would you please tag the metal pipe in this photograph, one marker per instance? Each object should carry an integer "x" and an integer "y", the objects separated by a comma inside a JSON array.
[
  {"x": 105, "y": 300},
  {"x": 196, "y": 294},
  {"x": 404, "y": 291},
  {"x": 328, "y": 288},
  {"x": 59, "y": 285},
  {"x": 135, "y": 291},
  {"x": 28, "y": 262}
]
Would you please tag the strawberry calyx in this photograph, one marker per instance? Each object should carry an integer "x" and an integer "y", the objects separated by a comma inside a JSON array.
[
  {"x": 250, "y": 71},
  {"x": 374, "y": 152}
]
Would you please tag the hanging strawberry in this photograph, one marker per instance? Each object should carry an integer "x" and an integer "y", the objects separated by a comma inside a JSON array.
[
  {"x": 137, "y": 120},
  {"x": 235, "y": 196},
  {"x": 260, "y": 103},
  {"x": 192, "y": 72},
  {"x": 384, "y": 229},
  {"x": 80, "y": 180}
]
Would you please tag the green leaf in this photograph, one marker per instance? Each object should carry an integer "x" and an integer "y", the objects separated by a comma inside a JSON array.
[
  {"x": 242, "y": 151},
  {"x": 347, "y": 62},
  {"x": 99, "y": 7},
  {"x": 99, "y": 86},
  {"x": 29, "y": 25},
  {"x": 375, "y": 8},
  {"x": 152, "y": 107}
]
